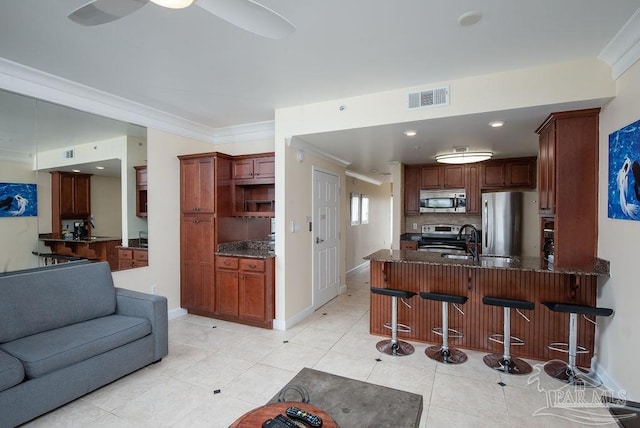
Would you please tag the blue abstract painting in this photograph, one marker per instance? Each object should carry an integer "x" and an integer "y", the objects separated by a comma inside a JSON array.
[
  {"x": 624, "y": 173},
  {"x": 18, "y": 200}
]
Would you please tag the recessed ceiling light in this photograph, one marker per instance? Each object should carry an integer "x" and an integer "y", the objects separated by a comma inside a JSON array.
[
  {"x": 496, "y": 123},
  {"x": 469, "y": 18},
  {"x": 411, "y": 133},
  {"x": 173, "y": 4},
  {"x": 100, "y": 167},
  {"x": 75, "y": 170}
]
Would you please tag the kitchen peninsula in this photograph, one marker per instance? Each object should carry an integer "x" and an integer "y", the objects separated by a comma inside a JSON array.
[
  {"x": 526, "y": 278},
  {"x": 94, "y": 248}
]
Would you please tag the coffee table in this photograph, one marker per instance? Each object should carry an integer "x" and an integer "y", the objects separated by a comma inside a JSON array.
[{"x": 353, "y": 403}]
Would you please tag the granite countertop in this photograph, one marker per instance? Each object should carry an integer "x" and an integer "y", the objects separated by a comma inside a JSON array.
[
  {"x": 91, "y": 240},
  {"x": 536, "y": 264},
  {"x": 255, "y": 249}
]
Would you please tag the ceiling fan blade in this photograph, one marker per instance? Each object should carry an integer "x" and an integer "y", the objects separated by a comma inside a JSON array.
[
  {"x": 100, "y": 12},
  {"x": 250, "y": 16}
]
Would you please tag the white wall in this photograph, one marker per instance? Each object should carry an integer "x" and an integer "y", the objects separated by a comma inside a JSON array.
[
  {"x": 363, "y": 239},
  {"x": 618, "y": 344}
]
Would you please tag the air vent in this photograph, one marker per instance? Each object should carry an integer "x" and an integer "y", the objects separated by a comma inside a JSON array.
[
  {"x": 67, "y": 154},
  {"x": 435, "y": 97}
]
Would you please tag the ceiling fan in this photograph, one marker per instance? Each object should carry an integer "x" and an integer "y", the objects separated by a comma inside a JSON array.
[{"x": 246, "y": 14}]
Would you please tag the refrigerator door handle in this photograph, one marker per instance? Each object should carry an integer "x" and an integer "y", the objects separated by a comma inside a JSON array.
[{"x": 485, "y": 226}]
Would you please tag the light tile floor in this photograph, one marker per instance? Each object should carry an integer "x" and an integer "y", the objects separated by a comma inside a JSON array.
[{"x": 250, "y": 365}]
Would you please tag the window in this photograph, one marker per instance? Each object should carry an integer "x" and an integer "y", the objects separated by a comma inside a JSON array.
[
  {"x": 364, "y": 209},
  {"x": 355, "y": 209}
]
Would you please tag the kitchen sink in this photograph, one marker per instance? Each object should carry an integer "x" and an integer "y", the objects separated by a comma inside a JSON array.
[{"x": 486, "y": 257}]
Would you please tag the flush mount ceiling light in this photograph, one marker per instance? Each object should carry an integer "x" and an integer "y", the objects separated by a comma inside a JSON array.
[
  {"x": 496, "y": 123},
  {"x": 470, "y": 18},
  {"x": 410, "y": 133},
  {"x": 462, "y": 155},
  {"x": 173, "y": 4}
]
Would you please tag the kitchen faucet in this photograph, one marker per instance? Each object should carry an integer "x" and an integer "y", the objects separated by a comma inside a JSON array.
[{"x": 474, "y": 235}]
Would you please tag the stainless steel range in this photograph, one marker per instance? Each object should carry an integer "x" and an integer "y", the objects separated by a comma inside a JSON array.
[{"x": 442, "y": 238}]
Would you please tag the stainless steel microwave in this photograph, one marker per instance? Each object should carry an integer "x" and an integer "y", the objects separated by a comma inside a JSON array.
[{"x": 443, "y": 201}]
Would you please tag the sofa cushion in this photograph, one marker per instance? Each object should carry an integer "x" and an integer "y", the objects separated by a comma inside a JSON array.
[
  {"x": 51, "y": 350},
  {"x": 11, "y": 371},
  {"x": 34, "y": 302}
]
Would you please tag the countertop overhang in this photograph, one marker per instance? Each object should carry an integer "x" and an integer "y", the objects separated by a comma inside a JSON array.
[{"x": 535, "y": 264}]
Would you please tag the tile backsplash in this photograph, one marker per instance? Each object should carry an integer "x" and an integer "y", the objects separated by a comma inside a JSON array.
[{"x": 434, "y": 218}]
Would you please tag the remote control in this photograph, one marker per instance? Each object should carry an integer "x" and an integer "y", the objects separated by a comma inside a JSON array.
[
  {"x": 279, "y": 421},
  {"x": 311, "y": 419}
]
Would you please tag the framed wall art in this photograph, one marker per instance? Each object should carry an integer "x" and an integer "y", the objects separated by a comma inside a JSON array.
[{"x": 18, "y": 200}]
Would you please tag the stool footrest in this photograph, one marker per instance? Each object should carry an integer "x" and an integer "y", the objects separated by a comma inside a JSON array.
[
  {"x": 402, "y": 328},
  {"x": 564, "y": 348},
  {"x": 456, "y": 333},
  {"x": 499, "y": 338}
]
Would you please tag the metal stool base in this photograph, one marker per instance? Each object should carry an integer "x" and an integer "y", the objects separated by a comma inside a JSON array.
[
  {"x": 450, "y": 356},
  {"x": 398, "y": 349},
  {"x": 578, "y": 377},
  {"x": 510, "y": 366}
]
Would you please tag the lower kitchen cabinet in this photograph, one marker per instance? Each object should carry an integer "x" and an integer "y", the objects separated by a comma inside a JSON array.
[
  {"x": 245, "y": 290},
  {"x": 129, "y": 258}
]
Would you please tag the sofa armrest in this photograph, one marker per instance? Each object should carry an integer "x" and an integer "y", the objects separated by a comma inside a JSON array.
[{"x": 149, "y": 306}]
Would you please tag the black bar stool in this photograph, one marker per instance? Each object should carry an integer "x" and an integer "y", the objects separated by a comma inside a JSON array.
[
  {"x": 394, "y": 346},
  {"x": 444, "y": 353},
  {"x": 505, "y": 362},
  {"x": 569, "y": 372}
]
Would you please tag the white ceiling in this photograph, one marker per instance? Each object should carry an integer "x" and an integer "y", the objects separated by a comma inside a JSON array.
[{"x": 193, "y": 65}]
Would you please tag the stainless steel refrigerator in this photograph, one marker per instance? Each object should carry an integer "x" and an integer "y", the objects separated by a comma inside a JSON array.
[{"x": 502, "y": 223}]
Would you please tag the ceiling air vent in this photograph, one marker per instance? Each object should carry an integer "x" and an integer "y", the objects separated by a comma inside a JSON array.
[
  {"x": 67, "y": 154},
  {"x": 428, "y": 98}
]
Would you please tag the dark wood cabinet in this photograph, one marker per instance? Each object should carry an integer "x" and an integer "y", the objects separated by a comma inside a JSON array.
[
  {"x": 129, "y": 258},
  {"x": 197, "y": 184},
  {"x": 514, "y": 173},
  {"x": 411, "y": 190},
  {"x": 254, "y": 169},
  {"x": 438, "y": 176},
  {"x": 141, "y": 190},
  {"x": 431, "y": 177},
  {"x": 408, "y": 245},
  {"x": 197, "y": 245},
  {"x": 568, "y": 191},
  {"x": 245, "y": 290},
  {"x": 254, "y": 191},
  {"x": 70, "y": 198},
  {"x": 472, "y": 188},
  {"x": 453, "y": 176}
]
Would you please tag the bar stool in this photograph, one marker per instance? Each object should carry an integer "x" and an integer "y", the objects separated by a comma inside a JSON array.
[
  {"x": 505, "y": 362},
  {"x": 394, "y": 346},
  {"x": 444, "y": 353},
  {"x": 569, "y": 372}
]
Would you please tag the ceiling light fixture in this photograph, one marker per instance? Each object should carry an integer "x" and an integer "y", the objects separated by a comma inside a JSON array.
[
  {"x": 100, "y": 167},
  {"x": 173, "y": 4},
  {"x": 470, "y": 18},
  {"x": 75, "y": 170},
  {"x": 462, "y": 155},
  {"x": 496, "y": 123},
  {"x": 411, "y": 133}
]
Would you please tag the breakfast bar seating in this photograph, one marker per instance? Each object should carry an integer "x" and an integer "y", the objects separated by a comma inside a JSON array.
[
  {"x": 505, "y": 362},
  {"x": 444, "y": 353},
  {"x": 569, "y": 371},
  {"x": 394, "y": 346}
]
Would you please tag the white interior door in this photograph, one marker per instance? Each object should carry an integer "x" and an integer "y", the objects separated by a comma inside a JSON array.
[{"x": 326, "y": 243}]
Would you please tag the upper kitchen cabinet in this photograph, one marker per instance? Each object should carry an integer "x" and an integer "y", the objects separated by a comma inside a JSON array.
[
  {"x": 70, "y": 198},
  {"x": 197, "y": 184},
  {"x": 254, "y": 169},
  {"x": 412, "y": 190},
  {"x": 141, "y": 190},
  {"x": 568, "y": 190},
  {"x": 472, "y": 188},
  {"x": 442, "y": 177},
  {"x": 512, "y": 173}
]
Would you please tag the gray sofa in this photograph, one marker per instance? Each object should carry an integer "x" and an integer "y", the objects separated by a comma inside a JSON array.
[{"x": 67, "y": 331}]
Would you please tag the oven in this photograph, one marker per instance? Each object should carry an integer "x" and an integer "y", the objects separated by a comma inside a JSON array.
[{"x": 442, "y": 238}]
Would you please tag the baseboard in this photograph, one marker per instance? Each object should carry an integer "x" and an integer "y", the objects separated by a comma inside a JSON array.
[
  {"x": 360, "y": 266},
  {"x": 178, "y": 312},
  {"x": 342, "y": 289},
  {"x": 294, "y": 320},
  {"x": 611, "y": 384}
]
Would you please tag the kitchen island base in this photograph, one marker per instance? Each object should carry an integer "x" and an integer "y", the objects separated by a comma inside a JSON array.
[{"x": 479, "y": 320}]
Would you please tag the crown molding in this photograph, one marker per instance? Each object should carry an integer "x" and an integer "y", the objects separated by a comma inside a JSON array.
[
  {"x": 34, "y": 83},
  {"x": 363, "y": 177},
  {"x": 242, "y": 133},
  {"x": 624, "y": 49},
  {"x": 300, "y": 144}
]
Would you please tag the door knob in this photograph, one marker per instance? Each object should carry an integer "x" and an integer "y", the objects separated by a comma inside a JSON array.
[{"x": 319, "y": 240}]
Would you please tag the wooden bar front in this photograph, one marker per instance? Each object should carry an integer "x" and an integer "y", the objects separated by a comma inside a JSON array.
[{"x": 480, "y": 320}]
